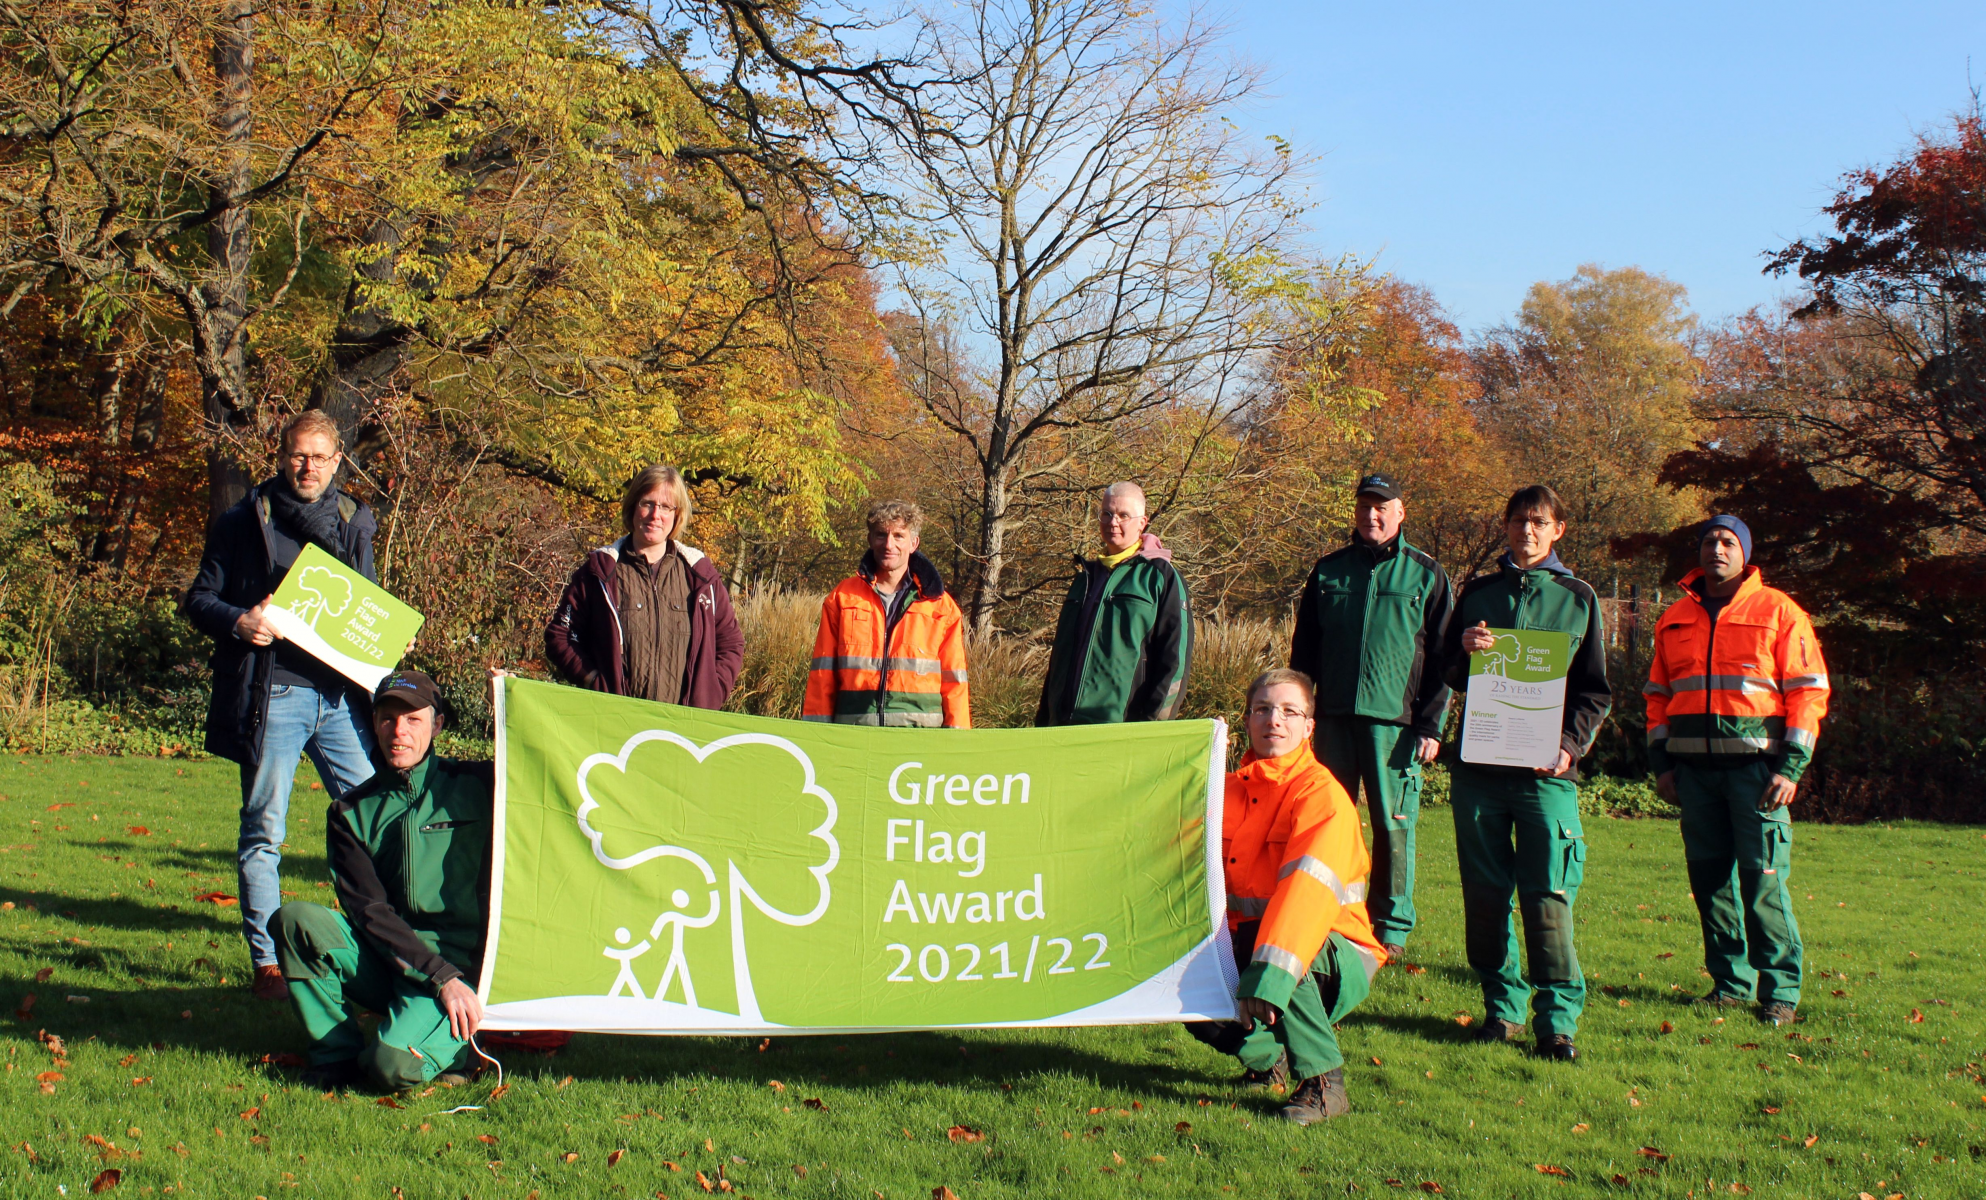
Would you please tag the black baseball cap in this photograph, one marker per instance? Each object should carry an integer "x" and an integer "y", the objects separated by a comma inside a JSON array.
[
  {"x": 1381, "y": 486},
  {"x": 411, "y": 688}
]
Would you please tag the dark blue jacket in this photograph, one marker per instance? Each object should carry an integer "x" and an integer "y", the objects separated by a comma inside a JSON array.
[{"x": 237, "y": 572}]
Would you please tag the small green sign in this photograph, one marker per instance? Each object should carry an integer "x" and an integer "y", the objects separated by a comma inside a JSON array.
[
  {"x": 671, "y": 870},
  {"x": 342, "y": 618}
]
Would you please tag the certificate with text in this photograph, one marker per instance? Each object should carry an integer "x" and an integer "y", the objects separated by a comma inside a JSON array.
[{"x": 1514, "y": 711}]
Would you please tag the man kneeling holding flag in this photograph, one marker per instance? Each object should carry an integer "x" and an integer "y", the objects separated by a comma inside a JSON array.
[{"x": 1296, "y": 867}]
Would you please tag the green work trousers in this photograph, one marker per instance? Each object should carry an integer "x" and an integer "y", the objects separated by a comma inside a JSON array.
[
  {"x": 1380, "y": 758},
  {"x": 332, "y": 978},
  {"x": 1334, "y": 985},
  {"x": 1739, "y": 862},
  {"x": 1521, "y": 833}
]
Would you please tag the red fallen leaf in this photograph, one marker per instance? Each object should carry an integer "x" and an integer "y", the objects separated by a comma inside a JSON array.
[
  {"x": 138, "y": 831},
  {"x": 1394, "y": 1183},
  {"x": 141, "y": 1081},
  {"x": 48, "y": 1077},
  {"x": 388, "y": 1102},
  {"x": 253, "y": 1113},
  {"x": 703, "y": 1182},
  {"x": 1916, "y": 1018},
  {"x": 1668, "y": 1028},
  {"x": 106, "y": 1180},
  {"x": 815, "y": 1103},
  {"x": 127, "y": 1060},
  {"x": 1429, "y": 1185},
  {"x": 487, "y": 1139},
  {"x": 220, "y": 898},
  {"x": 964, "y": 1133},
  {"x": 1666, "y": 954},
  {"x": 1183, "y": 1127},
  {"x": 941, "y": 1192},
  {"x": 1620, "y": 1180},
  {"x": 614, "y": 1156},
  {"x": 283, "y": 1058},
  {"x": 1839, "y": 992},
  {"x": 1549, "y": 1169},
  {"x": 1414, "y": 968},
  {"x": 63, "y": 805},
  {"x": 1771, "y": 1111},
  {"x": 44, "y": 975},
  {"x": 1652, "y": 1152}
]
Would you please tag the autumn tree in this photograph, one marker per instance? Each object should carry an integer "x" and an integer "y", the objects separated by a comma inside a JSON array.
[
  {"x": 1589, "y": 391},
  {"x": 1104, "y": 247}
]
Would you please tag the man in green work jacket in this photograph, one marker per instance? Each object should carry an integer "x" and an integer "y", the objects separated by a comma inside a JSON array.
[
  {"x": 410, "y": 858},
  {"x": 1371, "y": 614},
  {"x": 1125, "y": 636},
  {"x": 1517, "y": 828}
]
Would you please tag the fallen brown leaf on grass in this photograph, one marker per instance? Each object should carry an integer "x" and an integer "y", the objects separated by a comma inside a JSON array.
[
  {"x": 220, "y": 898},
  {"x": 775, "y": 1085},
  {"x": 1666, "y": 954},
  {"x": 800, "y": 1169},
  {"x": 48, "y": 1076},
  {"x": 1549, "y": 1169},
  {"x": 964, "y": 1133},
  {"x": 141, "y": 1081},
  {"x": 570, "y": 1156},
  {"x": 1916, "y": 1018},
  {"x": 106, "y": 1180},
  {"x": 1376, "y": 1062},
  {"x": 1668, "y": 1028},
  {"x": 282, "y": 1058},
  {"x": 941, "y": 1192},
  {"x": 703, "y": 1182},
  {"x": 44, "y": 975},
  {"x": 137, "y": 831},
  {"x": 25, "y": 1011},
  {"x": 496, "y": 1093},
  {"x": 1464, "y": 1019},
  {"x": 1652, "y": 1152},
  {"x": 1620, "y": 1180},
  {"x": 127, "y": 1060},
  {"x": 388, "y": 1102},
  {"x": 251, "y": 1114},
  {"x": 615, "y": 1156},
  {"x": 672, "y": 1166},
  {"x": 1839, "y": 992},
  {"x": 1430, "y": 1185},
  {"x": 1414, "y": 968},
  {"x": 1582, "y": 1127},
  {"x": 815, "y": 1103},
  {"x": 1811, "y": 1139},
  {"x": 1183, "y": 1127}
]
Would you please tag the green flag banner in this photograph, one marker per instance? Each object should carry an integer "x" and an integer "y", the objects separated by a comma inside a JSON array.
[
  {"x": 341, "y": 618},
  {"x": 1514, "y": 710},
  {"x": 670, "y": 870}
]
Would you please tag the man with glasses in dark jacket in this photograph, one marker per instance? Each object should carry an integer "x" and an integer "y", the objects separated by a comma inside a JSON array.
[{"x": 272, "y": 701}]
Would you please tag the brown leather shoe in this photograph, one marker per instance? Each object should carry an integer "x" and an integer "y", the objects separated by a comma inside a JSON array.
[{"x": 269, "y": 984}]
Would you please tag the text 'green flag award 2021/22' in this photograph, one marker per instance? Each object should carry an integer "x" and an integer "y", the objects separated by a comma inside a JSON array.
[
  {"x": 341, "y": 618},
  {"x": 1515, "y": 707},
  {"x": 671, "y": 870}
]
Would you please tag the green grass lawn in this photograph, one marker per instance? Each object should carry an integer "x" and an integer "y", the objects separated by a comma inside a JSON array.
[{"x": 1877, "y": 1090}]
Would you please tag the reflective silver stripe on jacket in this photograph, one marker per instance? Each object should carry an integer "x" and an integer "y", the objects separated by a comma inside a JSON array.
[
  {"x": 1651, "y": 688},
  {"x": 1793, "y": 682},
  {"x": 1724, "y": 683},
  {"x": 921, "y": 720},
  {"x": 1247, "y": 906},
  {"x": 952, "y": 676},
  {"x": 1801, "y": 737},
  {"x": 919, "y": 666},
  {"x": 1366, "y": 956},
  {"x": 1315, "y": 868},
  {"x": 846, "y": 662},
  {"x": 1724, "y": 745},
  {"x": 1279, "y": 958},
  {"x": 1659, "y": 733}
]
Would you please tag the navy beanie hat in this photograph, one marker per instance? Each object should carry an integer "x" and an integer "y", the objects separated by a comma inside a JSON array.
[{"x": 1737, "y": 527}]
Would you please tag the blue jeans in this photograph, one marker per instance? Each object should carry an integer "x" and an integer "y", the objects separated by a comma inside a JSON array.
[{"x": 302, "y": 720}]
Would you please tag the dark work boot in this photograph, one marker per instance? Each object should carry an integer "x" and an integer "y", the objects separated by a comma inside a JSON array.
[
  {"x": 1275, "y": 1079},
  {"x": 1719, "y": 1000},
  {"x": 1777, "y": 1012},
  {"x": 1495, "y": 1033},
  {"x": 332, "y": 1076},
  {"x": 1318, "y": 1098},
  {"x": 1557, "y": 1047}
]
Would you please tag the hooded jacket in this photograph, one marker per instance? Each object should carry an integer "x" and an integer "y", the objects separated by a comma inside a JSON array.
[
  {"x": 1370, "y": 619},
  {"x": 1748, "y": 683},
  {"x": 1295, "y": 861},
  {"x": 238, "y": 570},
  {"x": 1544, "y": 597},
  {"x": 410, "y": 858},
  {"x": 870, "y": 669},
  {"x": 585, "y": 643},
  {"x": 1123, "y": 643}
]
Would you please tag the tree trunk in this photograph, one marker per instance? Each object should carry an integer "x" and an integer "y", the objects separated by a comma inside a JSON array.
[
  {"x": 367, "y": 349},
  {"x": 993, "y": 501},
  {"x": 230, "y": 251}
]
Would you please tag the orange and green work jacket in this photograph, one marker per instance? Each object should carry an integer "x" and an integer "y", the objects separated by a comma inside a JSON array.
[
  {"x": 1295, "y": 861},
  {"x": 1745, "y": 684},
  {"x": 901, "y": 664}
]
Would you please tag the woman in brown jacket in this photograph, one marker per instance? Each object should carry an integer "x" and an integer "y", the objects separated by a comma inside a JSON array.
[{"x": 647, "y": 616}]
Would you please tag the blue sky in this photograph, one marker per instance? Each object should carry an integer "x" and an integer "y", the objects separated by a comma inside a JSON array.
[{"x": 1477, "y": 148}]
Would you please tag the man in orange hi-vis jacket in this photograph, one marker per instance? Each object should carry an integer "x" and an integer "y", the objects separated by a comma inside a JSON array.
[
  {"x": 1296, "y": 867},
  {"x": 1736, "y": 693},
  {"x": 891, "y": 646}
]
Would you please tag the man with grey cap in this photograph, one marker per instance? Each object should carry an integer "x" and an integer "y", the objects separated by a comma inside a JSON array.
[
  {"x": 410, "y": 858},
  {"x": 1370, "y": 615}
]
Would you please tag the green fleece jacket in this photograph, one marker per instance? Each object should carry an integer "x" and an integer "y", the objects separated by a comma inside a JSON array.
[{"x": 1122, "y": 645}]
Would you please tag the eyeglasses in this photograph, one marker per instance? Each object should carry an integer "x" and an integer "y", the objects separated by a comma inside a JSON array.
[
  {"x": 651, "y": 507},
  {"x": 1270, "y": 710},
  {"x": 300, "y": 461}
]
